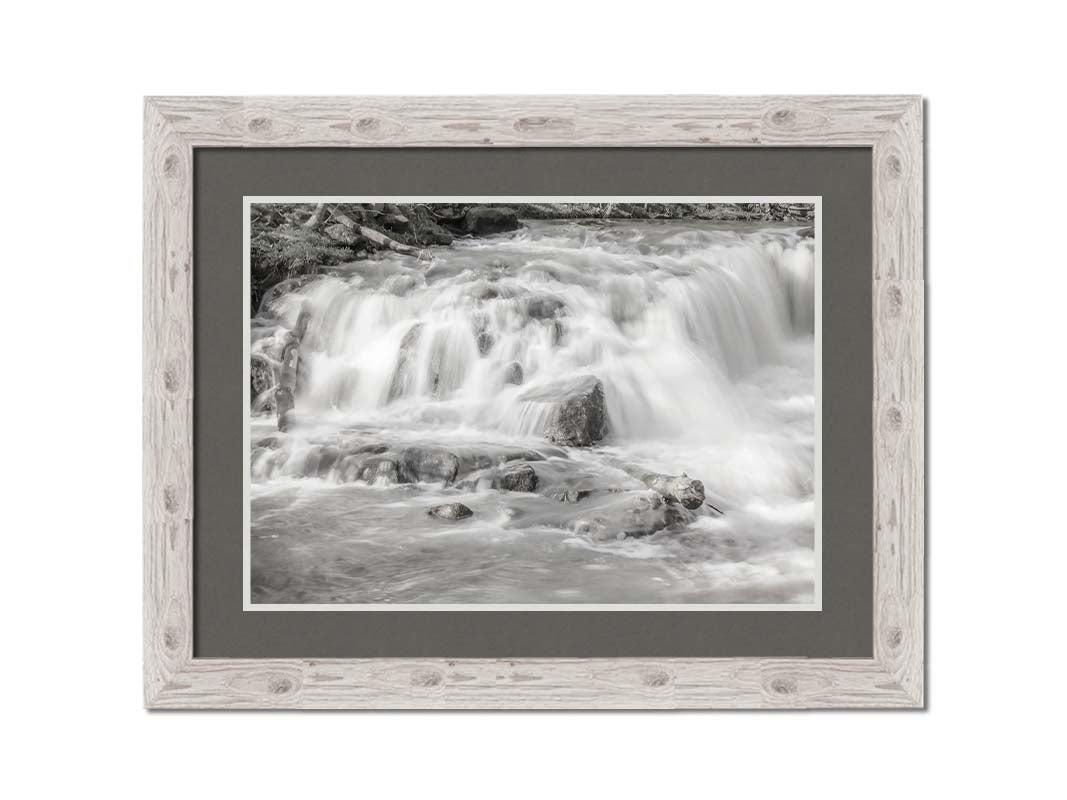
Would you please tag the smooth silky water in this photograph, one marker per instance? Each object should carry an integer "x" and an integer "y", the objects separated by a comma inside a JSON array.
[{"x": 702, "y": 335}]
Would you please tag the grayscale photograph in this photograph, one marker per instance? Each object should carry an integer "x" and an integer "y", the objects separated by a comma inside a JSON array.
[{"x": 538, "y": 403}]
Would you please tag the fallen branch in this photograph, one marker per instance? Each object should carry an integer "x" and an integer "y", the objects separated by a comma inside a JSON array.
[
  {"x": 371, "y": 235},
  {"x": 316, "y": 217}
]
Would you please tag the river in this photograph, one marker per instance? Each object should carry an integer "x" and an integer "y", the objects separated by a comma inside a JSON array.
[{"x": 702, "y": 337}]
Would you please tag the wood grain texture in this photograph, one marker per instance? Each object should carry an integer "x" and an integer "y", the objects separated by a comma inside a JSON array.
[
  {"x": 891, "y": 125},
  {"x": 516, "y": 121},
  {"x": 168, "y": 394},
  {"x": 899, "y": 402}
]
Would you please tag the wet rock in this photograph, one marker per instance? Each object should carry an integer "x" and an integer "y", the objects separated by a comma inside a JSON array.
[
  {"x": 580, "y": 418},
  {"x": 558, "y": 330},
  {"x": 428, "y": 465},
  {"x": 254, "y": 459},
  {"x": 450, "y": 511},
  {"x": 329, "y": 457},
  {"x": 290, "y": 363},
  {"x": 685, "y": 491},
  {"x": 399, "y": 285},
  {"x": 640, "y": 513},
  {"x": 568, "y": 494},
  {"x": 678, "y": 517},
  {"x": 485, "y": 342},
  {"x": 284, "y": 402},
  {"x": 282, "y": 288},
  {"x": 545, "y": 307},
  {"x": 261, "y": 380},
  {"x": 349, "y": 469},
  {"x": 513, "y": 373},
  {"x": 479, "y": 457},
  {"x": 303, "y": 322},
  {"x": 486, "y": 220},
  {"x": 402, "y": 376},
  {"x": 807, "y": 233},
  {"x": 320, "y": 460},
  {"x": 284, "y": 394},
  {"x": 374, "y": 448},
  {"x": 380, "y": 468},
  {"x": 518, "y": 478},
  {"x": 680, "y": 489},
  {"x": 265, "y": 463}
]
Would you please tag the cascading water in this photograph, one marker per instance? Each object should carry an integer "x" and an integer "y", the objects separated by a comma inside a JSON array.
[{"x": 700, "y": 338}]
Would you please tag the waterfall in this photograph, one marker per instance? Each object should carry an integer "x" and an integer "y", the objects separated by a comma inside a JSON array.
[
  {"x": 668, "y": 320},
  {"x": 681, "y": 349}
]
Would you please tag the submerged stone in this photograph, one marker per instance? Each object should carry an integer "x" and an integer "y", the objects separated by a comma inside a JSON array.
[
  {"x": 518, "y": 478},
  {"x": 513, "y": 374},
  {"x": 428, "y": 465},
  {"x": 544, "y": 307},
  {"x": 639, "y": 513},
  {"x": 450, "y": 511},
  {"x": 568, "y": 494}
]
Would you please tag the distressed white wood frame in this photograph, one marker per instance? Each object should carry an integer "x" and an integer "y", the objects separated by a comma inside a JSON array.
[{"x": 891, "y": 125}]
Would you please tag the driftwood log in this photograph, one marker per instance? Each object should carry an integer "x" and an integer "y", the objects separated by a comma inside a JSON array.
[
  {"x": 316, "y": 216},
  {"x": 371, "y": 235}
]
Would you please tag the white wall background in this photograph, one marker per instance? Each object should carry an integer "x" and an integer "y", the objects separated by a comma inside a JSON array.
[{"x": 70, "y": 442}]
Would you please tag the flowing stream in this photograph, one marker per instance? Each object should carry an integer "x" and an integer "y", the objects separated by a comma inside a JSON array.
[{"x": 701, "y": 336}]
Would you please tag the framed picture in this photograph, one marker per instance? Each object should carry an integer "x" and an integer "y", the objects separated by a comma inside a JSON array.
[{"x": 533, "y": 402}]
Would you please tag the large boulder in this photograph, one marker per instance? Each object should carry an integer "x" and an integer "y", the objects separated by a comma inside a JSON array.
[
  {"x": 486, "y": 220},
  {"x": 580, "y": 418}
]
